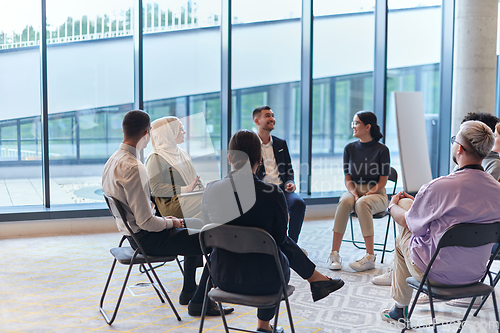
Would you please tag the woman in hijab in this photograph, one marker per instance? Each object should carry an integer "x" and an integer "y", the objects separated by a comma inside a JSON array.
[{"x": 171, "y": 171}]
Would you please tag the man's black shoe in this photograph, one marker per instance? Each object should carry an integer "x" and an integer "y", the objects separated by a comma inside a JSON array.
[
  {"x": 185, "y": 297},
  {"x": 194, "y": 309},
  {"x": 321, "y": 289}
]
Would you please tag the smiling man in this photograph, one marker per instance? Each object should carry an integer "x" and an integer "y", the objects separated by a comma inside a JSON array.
[{"x": 277, "y": 168}]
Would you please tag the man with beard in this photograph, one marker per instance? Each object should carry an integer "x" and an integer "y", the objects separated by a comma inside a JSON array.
[{"x": 277, "y": 168}]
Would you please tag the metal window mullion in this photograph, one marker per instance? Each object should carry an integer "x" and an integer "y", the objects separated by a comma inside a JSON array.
[
  {"x": 77, "y": 136},
  {"x": 138, "y": 57},
  {"x": 446, "y": 86},
  {"x": 18, "y": 128},
  {"x": 138, "y": 60},
  {"x": 306, "y": 96},
  {"x": 333, "y": 81},
  {"x": 44, "y": 105},
  {"x": 225, "y": 93},
  {"x": 380, "y": 63},
  {"x": 497, "y": 95}
]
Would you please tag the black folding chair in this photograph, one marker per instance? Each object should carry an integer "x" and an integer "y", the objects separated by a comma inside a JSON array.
[
  {"x": 393, "y": 177},
  {"x": 239, "y": 239},
  {"x": 495, "y": 281},
  {"x": 127, "y": 256},
  {"x": 463, "y": 235}
]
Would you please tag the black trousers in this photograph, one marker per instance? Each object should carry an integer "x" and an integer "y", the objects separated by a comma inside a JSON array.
[
  {"x": 298, "y": 261},
  {"x": 173, "y": 242}
]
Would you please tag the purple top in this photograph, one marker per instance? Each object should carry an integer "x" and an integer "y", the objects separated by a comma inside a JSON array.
[{"x": 467, "y": 195}]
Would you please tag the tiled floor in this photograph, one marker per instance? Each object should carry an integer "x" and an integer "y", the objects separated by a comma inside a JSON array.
[{"x": 53, "y": 284}]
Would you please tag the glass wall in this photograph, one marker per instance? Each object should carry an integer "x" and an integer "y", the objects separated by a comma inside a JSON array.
[
  {"x": 266, "y": 67},
  {"x": 343, "y": 83},
  {"x": 88, "y": 93},
  {"x": 414, "y": 66},
  {"x": 91, "y": 81},
  {"x": 20, "y": 130}
]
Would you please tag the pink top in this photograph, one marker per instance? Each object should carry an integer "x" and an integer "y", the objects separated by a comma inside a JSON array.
[{"x": 468, "y": 195}]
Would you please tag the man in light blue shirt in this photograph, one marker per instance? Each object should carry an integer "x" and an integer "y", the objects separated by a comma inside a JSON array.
[{"x": 467, "y": 195}]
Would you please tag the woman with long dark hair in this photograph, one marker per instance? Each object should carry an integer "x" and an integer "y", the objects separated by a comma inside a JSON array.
[{"x": 366, "y": 171}]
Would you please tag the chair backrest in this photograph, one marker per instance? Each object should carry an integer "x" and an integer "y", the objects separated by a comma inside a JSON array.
[
  {"x": 468, "y": 235},
  {"x": 116, "y": 209},
  {"x": 393, "y": 177},
  {"x": 241, "y": 240},
  {"x": 118, "y": 212},
  {"x": 237, "y": 239}
]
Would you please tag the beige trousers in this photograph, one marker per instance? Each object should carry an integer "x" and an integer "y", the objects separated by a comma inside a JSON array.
[
  {"x": 403, "y": 265},
  {"x": 365, "y": 207}
]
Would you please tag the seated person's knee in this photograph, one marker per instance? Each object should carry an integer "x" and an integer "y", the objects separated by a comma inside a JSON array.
[{"x": 405, "y": 203}]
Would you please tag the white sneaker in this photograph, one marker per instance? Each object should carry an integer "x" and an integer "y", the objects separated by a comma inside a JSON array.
[
  {"x": 334, "y": 261},
  {"x": 464, "y": 302},
  {"x": 384, "y": 279},
  {"x": 424, "y": 299},
  {"x": 365, "y": 263}
]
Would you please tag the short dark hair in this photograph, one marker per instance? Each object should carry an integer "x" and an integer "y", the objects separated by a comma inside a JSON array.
[
  {"x": 247, "y": 142},
  {"x": 490, "y": 120},
  {"x": 256, "y": 112},
  {"x": 135, "y": 123}
]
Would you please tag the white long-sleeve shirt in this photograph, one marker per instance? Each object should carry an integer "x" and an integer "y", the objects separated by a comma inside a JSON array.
[{"x": 126, "y": 179}]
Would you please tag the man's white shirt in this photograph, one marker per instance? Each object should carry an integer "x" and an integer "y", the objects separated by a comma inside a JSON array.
[{"x": 272, "y": 175}]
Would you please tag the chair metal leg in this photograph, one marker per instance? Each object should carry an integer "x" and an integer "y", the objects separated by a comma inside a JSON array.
[
  {"x": 466, "y": 315},
  {"x": 495, "y": 306},
  {"x": 411, "y": 310},
  {"x": 289, "y": 311},
  {"x": 179, "y": 264},
  {"x": 223, "y": 315},
  {"x": 204, "y": 309},
  {"x": 152, "y": 283},
  {"x": 276, "y": 315},
  {"x": 382, "y": 245},
  {"x": 385, "y": 241},
  {"x": 164, "y": 292},
  {"x": 115, "y": 312},
  {"x": 431, "y": 303},
  {"x": 495, "y": 281}
]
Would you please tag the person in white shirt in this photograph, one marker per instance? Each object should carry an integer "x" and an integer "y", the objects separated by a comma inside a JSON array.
[
  {"x": 276, "y": 168},
  {"x": 126, "y": 179}
]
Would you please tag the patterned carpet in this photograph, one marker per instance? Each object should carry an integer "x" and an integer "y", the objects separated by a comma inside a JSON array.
[{"x": 53, "y": 284}]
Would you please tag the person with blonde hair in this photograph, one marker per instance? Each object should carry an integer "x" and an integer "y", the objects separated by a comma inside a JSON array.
[{"x": 464, "y": 196}]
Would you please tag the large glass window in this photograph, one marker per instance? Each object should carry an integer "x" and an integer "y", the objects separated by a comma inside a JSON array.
[
  {"x": 91, "y": 86},
  {"x": 343, "y": 83},
  {"x": 90, "y": 71},
  {"x": 20, "y": 130},
  {"x": 182, "y": 73},
  {"x": 413, "y": 57},
  {"x": 266, "y": 67}
]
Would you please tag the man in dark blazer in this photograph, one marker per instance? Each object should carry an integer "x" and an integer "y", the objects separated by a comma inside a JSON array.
[{"x": 277, "y": 168}]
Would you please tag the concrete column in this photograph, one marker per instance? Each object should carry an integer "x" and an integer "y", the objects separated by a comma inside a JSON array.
[{"x": 474, "y": 63}]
